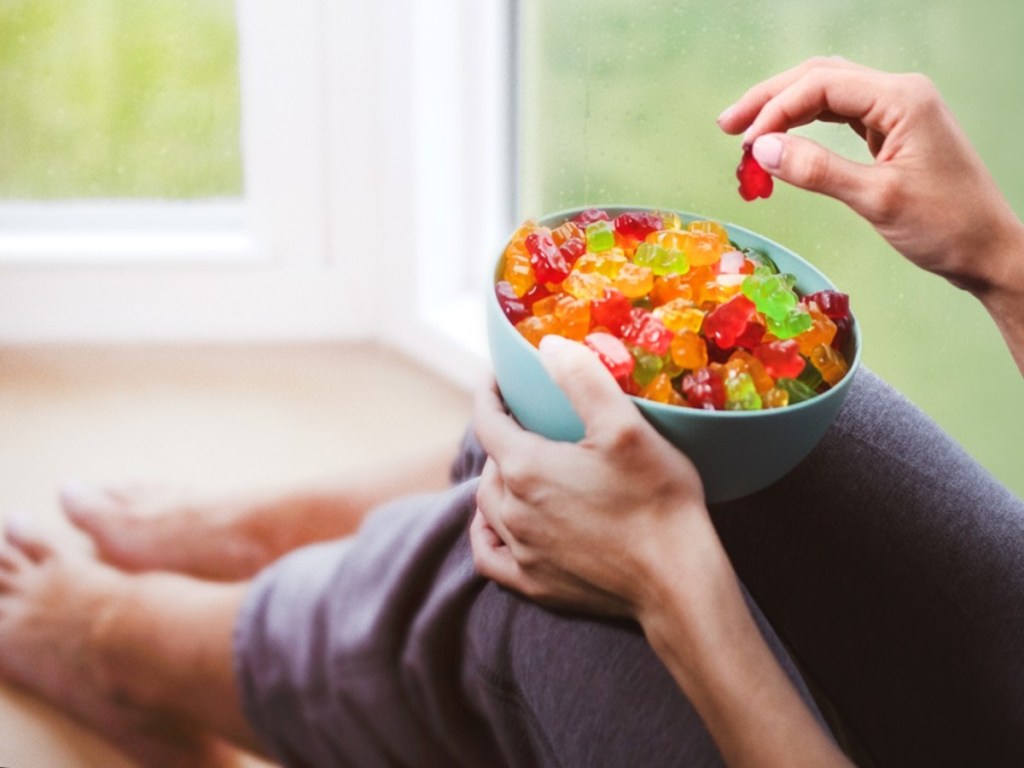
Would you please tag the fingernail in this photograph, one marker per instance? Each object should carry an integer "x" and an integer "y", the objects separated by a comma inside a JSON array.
[
  {"x": 726, "y": 114},
  {"x": 72, "y": 489},
  {"x": 552, "y": 344},
  {"x": 767, "y": 151}
]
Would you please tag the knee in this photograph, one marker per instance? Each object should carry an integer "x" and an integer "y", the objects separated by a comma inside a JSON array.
[{"x": 571, "y": 690}]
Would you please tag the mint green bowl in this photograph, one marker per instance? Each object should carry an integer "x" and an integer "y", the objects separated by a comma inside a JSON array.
[{"x": 735, "y": 452}]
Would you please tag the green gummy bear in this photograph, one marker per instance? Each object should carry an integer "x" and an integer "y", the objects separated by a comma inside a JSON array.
[
  {"x": 661, "y": 260},
  {"x": 795, "y": 322},
  {"x": 600, "y": 236},
  {"x": 798, "y": 391},
  {"x": 773, "y": 294},
  {"x": 741, "y": 394},
  {"x": 810, "y": 376},
  {"x": 647, "y": 366}
]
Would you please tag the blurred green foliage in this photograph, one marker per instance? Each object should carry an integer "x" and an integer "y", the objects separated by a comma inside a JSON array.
[
  {"x": 619, "y": 101},
  {"x": 119, "y": 98}
]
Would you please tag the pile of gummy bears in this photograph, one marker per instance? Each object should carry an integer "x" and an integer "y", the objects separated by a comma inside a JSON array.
[{"x": 679, "y": 315}]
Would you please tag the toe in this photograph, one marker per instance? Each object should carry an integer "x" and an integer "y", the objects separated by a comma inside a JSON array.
[
  {"x": 126, "y": 493},
  {"x": 83, "y": 505},
  {"x": 11, "y": 558},
  {"x": 24, "y": 536},
  {"x": 13, "y": 563},
  {"x": 8, "y": 570},
  {"x": 98, "y": 514}
]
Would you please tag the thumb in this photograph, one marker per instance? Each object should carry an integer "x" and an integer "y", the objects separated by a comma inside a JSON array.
[
  {"x": 590, "y": 387},
  {"x": 808, "y": 165}
]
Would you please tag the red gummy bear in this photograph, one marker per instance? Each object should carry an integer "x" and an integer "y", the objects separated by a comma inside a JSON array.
[
  {"x": 843, "y": 328},
  {"x": 751, "y": 335},
  {"x": 703, "y": 389},
  {"x": 834, "y": 304},
  {"x": 781, "y": 358},
  {"x": 572, "y": 249},
  {"x": 755, "y": 181},
  {"x": 636, "y": 224},
  {"x": 613, "y": 353},
  {"x": 549, "y": 264},
  {"x": 646, "y": 330},
  {"x": 612, "y": 311},
  {"x": 727, "y": 322},
  {"x": 515, "y": 309},
  {"x": 589, "y": 216},
  {"x": 518, "y": 308}
]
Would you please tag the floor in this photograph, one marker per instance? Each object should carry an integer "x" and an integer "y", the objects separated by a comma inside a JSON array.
[{"x": 214, "y": 419}]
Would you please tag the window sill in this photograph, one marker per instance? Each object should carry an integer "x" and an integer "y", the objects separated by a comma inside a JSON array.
[{"x": 107, "y": 232}]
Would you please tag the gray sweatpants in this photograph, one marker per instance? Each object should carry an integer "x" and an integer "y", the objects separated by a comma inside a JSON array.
[{"x": 890, "y": 564}]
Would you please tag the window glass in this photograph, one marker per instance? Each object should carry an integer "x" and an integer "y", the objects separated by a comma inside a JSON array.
[
  {"x": 618, "y": 105},
  {"x": 119, "y": 99}
]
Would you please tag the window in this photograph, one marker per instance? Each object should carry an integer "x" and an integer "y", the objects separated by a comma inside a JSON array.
[
  {"x": 618, "y": 106},
  {"x": 119, "y": 100},
  {"x": 368, "y": 133},
  {"x": 113, "y": 109},
  {"x": 128, "y": 246}
]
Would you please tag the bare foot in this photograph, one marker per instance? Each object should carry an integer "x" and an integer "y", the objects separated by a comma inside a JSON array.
[
  {"x": 144, "y": 528},
  {"x": 50, "y": 601}
]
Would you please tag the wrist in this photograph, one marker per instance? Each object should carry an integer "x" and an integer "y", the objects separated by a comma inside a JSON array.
[
  {"x": 1002, "y": 262},
  {"x": 1002, "y": 293},
  {"x": 1007, "y": 283},
  {"x": 688, "y": 584}
]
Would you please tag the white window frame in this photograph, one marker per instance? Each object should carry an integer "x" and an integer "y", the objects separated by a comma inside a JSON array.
[
  {"x": 466, "y": 158},
  {"x": 371, "y": 134}
]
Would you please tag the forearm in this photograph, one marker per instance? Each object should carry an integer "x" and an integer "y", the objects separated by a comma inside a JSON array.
[
  {"x": 1003, "y": 293},
  {"x": 710, "y": 643}
]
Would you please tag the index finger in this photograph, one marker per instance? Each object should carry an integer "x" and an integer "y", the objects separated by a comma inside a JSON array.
[
  {"x": 738, "y": 117},
  {"x": 855, "y": 96}
]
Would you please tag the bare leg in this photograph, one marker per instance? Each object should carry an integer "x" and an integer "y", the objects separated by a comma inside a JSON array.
[
  {"x": 144, "y": 528},
  {"x": 146, "y": 661}
]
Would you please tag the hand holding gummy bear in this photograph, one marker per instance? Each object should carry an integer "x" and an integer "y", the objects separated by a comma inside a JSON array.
[{"x": 927, "y": 191}]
